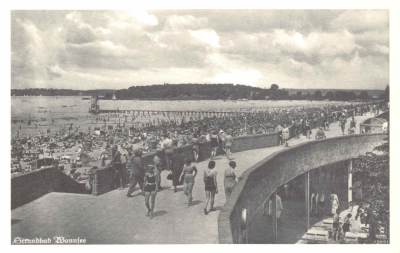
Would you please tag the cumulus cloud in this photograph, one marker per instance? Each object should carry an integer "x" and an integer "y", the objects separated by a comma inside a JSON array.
[
  {"x": 237, "y": 77},
  {"x": 176, "y": 23},
  {"x": 207, "y": 36},
  {"x": 293, "y": 48},
  {"x": 362, "y": 20}
]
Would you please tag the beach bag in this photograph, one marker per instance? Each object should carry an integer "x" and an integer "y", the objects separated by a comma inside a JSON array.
[
  {"x": 181, "y": 179},
  {"x": 170, "y": 177}
]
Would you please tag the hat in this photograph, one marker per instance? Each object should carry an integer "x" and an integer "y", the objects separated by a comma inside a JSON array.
[
  {"x": 221, "y": 131},
  {"x": 150, "y": 166}
]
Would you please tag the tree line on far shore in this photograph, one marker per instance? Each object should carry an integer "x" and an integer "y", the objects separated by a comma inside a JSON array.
[{"x": 205, "y": 91}]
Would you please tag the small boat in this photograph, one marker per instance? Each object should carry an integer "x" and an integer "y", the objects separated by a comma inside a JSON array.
[
  {"x": 64, "y": 106},
  {"x": 86, "y": 98}
]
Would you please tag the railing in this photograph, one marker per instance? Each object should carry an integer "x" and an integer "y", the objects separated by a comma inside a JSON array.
[{"x": 262, "y": 179}]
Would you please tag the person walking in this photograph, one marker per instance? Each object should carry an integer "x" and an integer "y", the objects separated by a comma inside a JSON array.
[
  {"x": 336, "y": 229},
  {"x": 334, "y": 202},
  {"x": 346, "y": 224},
  {"x": 177, "y": 168},
  {"x": 353, "y": 123},
  {"x": 157, "y": 160},
  {"x": 313, "y": 202},
  {"x": 167, "y": 146},
  {"x": 279, "y": 130},
  {"x": 230, "y": 177},
  {"x": 285, "y": 135},
  {"x": 214, "y": 144},
  {"x": 195, "y": 147},
  {"x": 221, "y": 140},
  {"x": 342, "y": 123},
  {"x": 136, "y": 171},
  {"x": 188, "y": 180},
  {"x": 211, "y": 186},
  {"x": 150, "y": 188},
  {"x": 116, "y": 162},
  {"x": 279, "y": 207},
  {"x": 228, "y": 144},
  {"x": 308, "y": 128}
]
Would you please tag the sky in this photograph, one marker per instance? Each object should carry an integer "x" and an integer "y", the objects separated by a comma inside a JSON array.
[{"x": 310, "y": 49}]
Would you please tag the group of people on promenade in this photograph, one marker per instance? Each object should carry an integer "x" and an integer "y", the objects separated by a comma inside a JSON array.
[{"x": 182, "y": 172}]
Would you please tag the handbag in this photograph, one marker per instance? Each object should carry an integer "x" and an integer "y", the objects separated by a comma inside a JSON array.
[{"x": 170, "y": 177}]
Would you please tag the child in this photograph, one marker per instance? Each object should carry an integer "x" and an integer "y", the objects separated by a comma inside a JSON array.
[
  {"x": 336, "y": 226},
  {"x": 346, "y": 224}
]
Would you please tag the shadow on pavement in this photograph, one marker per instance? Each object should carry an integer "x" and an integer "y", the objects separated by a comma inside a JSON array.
[
  {"x": 196, "y": 202},
  {"x": 159, "y": 213},
  {"x": 15, "y": 221}
]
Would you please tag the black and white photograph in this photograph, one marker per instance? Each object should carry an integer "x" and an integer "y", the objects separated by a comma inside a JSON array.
[{"x": 179, "y": 126}]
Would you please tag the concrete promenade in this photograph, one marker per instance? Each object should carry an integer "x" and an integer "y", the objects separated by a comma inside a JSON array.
[{"x": 112, "y": 218}]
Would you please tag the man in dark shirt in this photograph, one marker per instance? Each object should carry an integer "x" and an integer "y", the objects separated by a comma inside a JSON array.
[
  {"x": 136, "y": 171},
  {"x": 116, "y": 162}
]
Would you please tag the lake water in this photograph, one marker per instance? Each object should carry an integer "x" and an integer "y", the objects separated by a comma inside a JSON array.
[
  {"x": 30, "y": 106},
  {"x": 62, "y": 109}
]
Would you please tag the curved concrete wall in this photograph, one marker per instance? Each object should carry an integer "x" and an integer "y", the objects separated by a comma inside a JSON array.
[
  {"x": 262, "y": 179},
  {"x": 30, "y": 186},
  {"x": 375, "y": 124}
]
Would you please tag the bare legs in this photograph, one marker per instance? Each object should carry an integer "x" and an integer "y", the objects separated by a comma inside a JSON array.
[
  {"x": 187, "y": 189},
  {"x": 213, "y": 153},
  {"x": 150, "y": 209},
  {"x": 210, "y": 195},
  {"x": 196, "y": 155},
  {"x": 228, "y": 153}
]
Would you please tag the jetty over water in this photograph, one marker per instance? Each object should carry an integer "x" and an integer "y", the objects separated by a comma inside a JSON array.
[{"x": 112, "y": 218}]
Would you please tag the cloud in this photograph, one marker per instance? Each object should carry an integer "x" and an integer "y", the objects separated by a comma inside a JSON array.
[
  {"x": 55, "y": 71},
  {"x": 293, "y": 48},
  {"x": 35, "y": 58},
  {"x": 143, "y": 17},
  {"x": 362, "y": 20},
  {"x": 236, "y": 76},
  {"x": 185, "y": 22},
  {"x": 381, "y": 49},
  {"x": 207, "y": 36}
]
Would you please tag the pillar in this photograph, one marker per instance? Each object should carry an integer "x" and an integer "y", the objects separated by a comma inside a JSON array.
[
  {"x": 307, "y": 194},
  {"x": 95, "y": 184},
  {"x": 243, "y": 239},
  {"x": 274, "y": 219},
  {"x": 350, "y": 181}
]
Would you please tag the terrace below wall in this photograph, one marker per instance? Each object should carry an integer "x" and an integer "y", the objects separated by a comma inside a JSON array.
[{"x": 262, "y": 179}]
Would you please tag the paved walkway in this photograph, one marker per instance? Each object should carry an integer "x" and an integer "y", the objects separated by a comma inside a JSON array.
[{"x": 113, "y": 218}]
